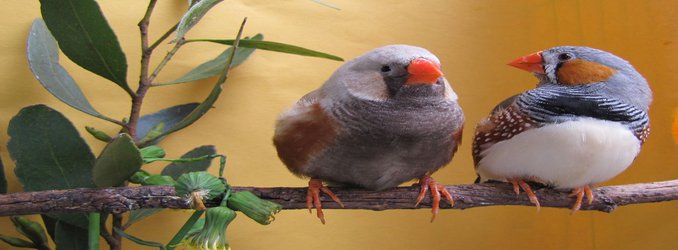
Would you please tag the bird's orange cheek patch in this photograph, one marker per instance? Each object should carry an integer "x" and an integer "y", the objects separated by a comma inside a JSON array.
[{"x": 579, "y": 71}]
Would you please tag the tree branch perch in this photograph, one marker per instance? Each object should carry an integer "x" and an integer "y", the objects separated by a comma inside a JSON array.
[{"x": 124, "y": 199}]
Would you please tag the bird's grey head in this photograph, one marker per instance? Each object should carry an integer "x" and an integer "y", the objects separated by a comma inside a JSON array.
[
  {"x": 392, "y": 72},
  {"x": 600, "y": 71}
]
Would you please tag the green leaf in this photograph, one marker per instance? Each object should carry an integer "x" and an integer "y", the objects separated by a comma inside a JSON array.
[
  {"x": 197, "y": 227},
  {"x": 50, "y": 225},
  {"x": 48, "y": 151},
  {"x": 31, "y": 229},
  {"x": 119, "y": 160},
  {"x": 177, "y": 169},
  {"x": 16, "y": 242},
  {"x": 3, "y": 180},
  {"x": 139, "y": 177},
  {"x": 139, "y": 241},
  {"x": 154, "y": 131},
  {"x": 50, "y": 221},
  {"x": 273, "y": 46},
  {"x": 193, "y": 16},
  {"x": 70, "y": 237},
  {"x": 140, "y": 214},
  {"x": 43, "y": 59},
  {"x": 75, "y": 219},
  {"x": 159, "y": 180},
  {"x": 169, "y": 116},
  {"x": 49, "y": 154},
  {"x": 215, "y": 66},
  {"x": 152, "y": 151},
  {"x": 183, "y": 232},
  {"x": 201, "y": 109},
  {"x": 86, "y": 38}
]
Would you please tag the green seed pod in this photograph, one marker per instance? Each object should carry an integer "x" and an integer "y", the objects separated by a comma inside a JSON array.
[
  {"x": 257, "y": 209},
  {"x": 159, "y": 180},
  {"x": 213, "y": 234},
  {"x": 32, "y": 230},
  {"x": 100, "y": 135},
  {"x": 139, "y": 177},
  {"x": 152, "y": 151},
  {"x": 199, "y": 186},
  {"x": 17, "y": 242}
]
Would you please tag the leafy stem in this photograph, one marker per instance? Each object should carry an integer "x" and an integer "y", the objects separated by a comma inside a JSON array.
[
  {"x": 163, "y": 37},
  {"x": 94, "y": 230},
  {"x": 144, "y": 82},
  {"x": 167, "y": 58},
  {"x": 184, "y": 229}
]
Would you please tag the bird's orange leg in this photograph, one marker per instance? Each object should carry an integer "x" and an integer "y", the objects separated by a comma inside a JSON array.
[
  {"x": 579, "y": 193},
  {"x": 313, "y": 197},
  {"x": 518, "y": 184},
  {"x": 427, "y": 182}
]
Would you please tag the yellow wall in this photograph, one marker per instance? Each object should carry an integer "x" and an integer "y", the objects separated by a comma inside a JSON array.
[{"x": 474, "y": 40}]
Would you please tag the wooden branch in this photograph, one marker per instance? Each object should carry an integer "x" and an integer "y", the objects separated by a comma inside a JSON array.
[{"x": 120, "y": 200}]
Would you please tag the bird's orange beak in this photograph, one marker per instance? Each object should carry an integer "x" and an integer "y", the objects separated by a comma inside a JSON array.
[
  {"x": 532, "y": 63},
  {"x": 423, "y": 71}
]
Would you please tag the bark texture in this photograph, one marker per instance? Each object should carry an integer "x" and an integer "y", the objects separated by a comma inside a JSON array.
[{"x": 124, "y": 199}]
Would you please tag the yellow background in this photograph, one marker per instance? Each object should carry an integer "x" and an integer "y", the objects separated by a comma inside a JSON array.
[{"x": 473, "y": 39}]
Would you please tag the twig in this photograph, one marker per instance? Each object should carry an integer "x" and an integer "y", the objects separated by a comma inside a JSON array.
[
  {"x": 123, "y": 199},
  {"x": 144, "y": 80},
  {"x": 163, "y": 37},
  {"x": 103, "y": 231},
  {"x": 167, "y": 58},
  {"x": 117, "y": 223}
]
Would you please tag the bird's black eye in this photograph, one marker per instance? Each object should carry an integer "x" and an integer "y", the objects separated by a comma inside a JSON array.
[
  {"x": 385, "y": 68},
  {"x": 564, "y": 57}
]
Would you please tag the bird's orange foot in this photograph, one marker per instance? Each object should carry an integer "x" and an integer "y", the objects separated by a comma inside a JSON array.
[
  {"x": 518, "y": 184},
  {"x": 579, "y": 193},
  {"x": 427, "y": 182},
  {"x": 313, "y": 197}
]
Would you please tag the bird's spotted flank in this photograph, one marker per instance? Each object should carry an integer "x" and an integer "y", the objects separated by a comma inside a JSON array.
[{"x": 501, "y": 125}]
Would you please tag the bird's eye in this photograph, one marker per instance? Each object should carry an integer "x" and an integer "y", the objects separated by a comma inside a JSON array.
[
  {"x": 385, "y": 68},
  {"x": 564, "y": 57}
]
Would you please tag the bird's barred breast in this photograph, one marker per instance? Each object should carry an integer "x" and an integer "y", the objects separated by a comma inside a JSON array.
[{"x": 566, "y": 155}]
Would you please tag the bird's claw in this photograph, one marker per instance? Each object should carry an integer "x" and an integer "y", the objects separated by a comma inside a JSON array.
[
  {"x": 579, "y": 194},
  {"x": 518, "y": 184},
  {"x": 315, "y": 186},
  {"x": 427, "y": 182}
]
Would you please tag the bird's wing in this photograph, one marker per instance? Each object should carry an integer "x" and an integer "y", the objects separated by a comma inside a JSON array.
[
  {"x": 457, "y": 133},
  {"x": 302, "y": 132},
  {"x": 505, "y": 121},
  {"x": 559, "y": 104}
]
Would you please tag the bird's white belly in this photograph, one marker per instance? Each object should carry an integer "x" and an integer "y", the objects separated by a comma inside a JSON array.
[{"x": 566, "y": 155}]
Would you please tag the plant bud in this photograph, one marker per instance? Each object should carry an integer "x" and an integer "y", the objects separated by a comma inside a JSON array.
[
  {"x": 98, "y": 134},
  {"x": 199, "y": 186},
  {"x": 16, "y": 242},
  {"x": 257, "y": 209}
]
